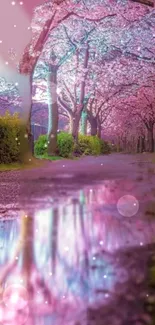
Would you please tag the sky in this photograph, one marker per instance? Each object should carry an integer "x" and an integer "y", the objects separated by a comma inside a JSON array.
[
  {"x": 15, "y": 34},
  {"x": 15, "y": 19}
]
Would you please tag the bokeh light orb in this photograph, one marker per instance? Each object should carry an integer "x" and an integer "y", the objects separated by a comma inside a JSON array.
[
  {"x": 128, "y": 206},
  {"x": 15, "y": 297}
]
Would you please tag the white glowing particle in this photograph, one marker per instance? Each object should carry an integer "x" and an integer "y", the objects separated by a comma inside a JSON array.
[
  {"x": 13, "y": 3},
  {"x": 14, "y": 298},
  {"x": 101, "y": 242},
  {"x": 106, "y": 295},
  {"x": 6, "y": 62}
]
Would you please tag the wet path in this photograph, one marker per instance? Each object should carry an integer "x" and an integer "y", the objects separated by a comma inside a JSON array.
[{"x": 76, "y": 248}]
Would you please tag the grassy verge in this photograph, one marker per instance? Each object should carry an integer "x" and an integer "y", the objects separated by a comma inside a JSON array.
[
  {"x": 53, "y": 158},
  {"x": 7, "y": 167},
  {"x": 34, "y": 163}
]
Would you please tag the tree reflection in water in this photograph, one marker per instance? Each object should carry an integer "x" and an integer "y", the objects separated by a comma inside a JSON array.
[{"x": 61, "y": 260}]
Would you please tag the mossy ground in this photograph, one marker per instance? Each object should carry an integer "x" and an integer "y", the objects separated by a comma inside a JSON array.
[{"x": 32, "y": 163}]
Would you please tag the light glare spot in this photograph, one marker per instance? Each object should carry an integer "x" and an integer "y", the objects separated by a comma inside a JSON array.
[{"x": 127, "y": 206}]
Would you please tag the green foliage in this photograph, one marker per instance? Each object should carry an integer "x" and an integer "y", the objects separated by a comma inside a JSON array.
[
  {"x": 105, "y": 147},
  {"x": 91, "y": 145},
  {"x": 10, "y": 130},
  {"x": 40, "y": 147},
  {"x": 88, "y": 145},
  {"x": 47, "y": 157},
  {"x": 65, "y": 145}
]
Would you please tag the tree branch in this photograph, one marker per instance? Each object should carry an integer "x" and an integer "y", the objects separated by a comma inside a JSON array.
[{"x": 65, "y": 106}]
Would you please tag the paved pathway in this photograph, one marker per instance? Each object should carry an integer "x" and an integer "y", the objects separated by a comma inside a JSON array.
[
  {"x": 109, "y": 282},
  {"x": 61, "y": 177}
]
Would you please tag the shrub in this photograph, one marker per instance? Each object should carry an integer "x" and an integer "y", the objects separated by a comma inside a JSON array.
[
  {"x": 105, "y": 147},
  {"x": 10, "y": 128},
  {"x": 40, "y": 147},
  {"x": 65, "y": 145},
  {"x": 88, "y": 145}
]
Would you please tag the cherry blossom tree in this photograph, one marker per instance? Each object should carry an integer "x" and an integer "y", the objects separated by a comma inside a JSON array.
[
  {"x": 128, "y": 21},
  {"x": 76, "y": 11}
]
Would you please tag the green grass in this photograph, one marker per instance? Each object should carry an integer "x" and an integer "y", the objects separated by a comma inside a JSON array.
[
  {"x": 45, "y": 156},
  {"x": 54, "y": 158},
  {"x": 7, "y": 167},
  {"x": 37, "y": 161},
  {"x": 34, "y": 163}
]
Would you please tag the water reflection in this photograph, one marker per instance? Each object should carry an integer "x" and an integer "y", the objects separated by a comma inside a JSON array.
[{"x": 56, "y": 261}]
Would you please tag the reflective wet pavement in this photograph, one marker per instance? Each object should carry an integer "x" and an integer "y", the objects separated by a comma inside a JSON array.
[{"x": 79, "y": 257}]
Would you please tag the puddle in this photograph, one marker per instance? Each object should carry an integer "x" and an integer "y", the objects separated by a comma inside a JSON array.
[{"x": 59, "y": 261}]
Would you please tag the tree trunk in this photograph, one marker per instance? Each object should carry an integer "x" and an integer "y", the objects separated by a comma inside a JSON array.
[
  {"x": 53, "y": 117},
  {"x": 143, "y": 143},
  {"x": 82, "y": 96},
  {"x": 27, "y": 235},
  {"x": 75, "y": 127},
  {"x": 26, "y": 136},
  {"x": 99, "y": 129},
  {"x": 84, "y": 122},
  {"x": 83, "y": 82},
  {"x": 54, "y": 238},
  {"x": 150, "y": 139},
  {"x": 138, "y": 145},
  {"x": 93, "y": 124}
]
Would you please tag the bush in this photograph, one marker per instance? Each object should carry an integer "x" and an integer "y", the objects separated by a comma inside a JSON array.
[
  {"x": 40, "y": 147},
  {"x": 65, "y": 145},
  {"x": 105, "y": 147},
  {"x": 88, "y": 145},
  {"x": 10, "y": 128}
]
